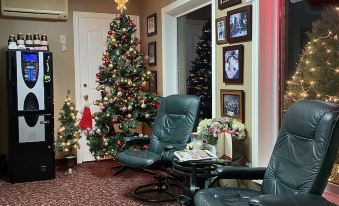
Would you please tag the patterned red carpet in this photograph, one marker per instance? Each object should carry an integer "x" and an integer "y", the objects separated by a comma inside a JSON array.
[{"x": 92, "y": 184}]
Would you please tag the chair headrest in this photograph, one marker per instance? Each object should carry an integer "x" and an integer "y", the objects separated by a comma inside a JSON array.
[
  {"x": 303, "y": 117},
  {"x": 179, "y": 104}
]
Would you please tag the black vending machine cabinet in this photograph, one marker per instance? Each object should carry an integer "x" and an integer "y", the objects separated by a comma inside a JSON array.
[{"x": 31, "y": 115}]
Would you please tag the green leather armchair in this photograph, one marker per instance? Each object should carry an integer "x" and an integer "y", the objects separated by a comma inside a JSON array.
[
  {"x": 299, "y": 167},
  {"x": 173, "y": 125}
]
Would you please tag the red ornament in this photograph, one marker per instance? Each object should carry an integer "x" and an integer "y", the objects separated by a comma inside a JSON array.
[
  {"x": 144, "y": 147},
  {"x": 157, "y": 105},
  {"x": 114, "y": 120},
  {"x": 119, "y": 142},
  {"x": 98, "y": 75},
  {"x": 117, "y": 84},
  {"x": 110, "y": 33}
]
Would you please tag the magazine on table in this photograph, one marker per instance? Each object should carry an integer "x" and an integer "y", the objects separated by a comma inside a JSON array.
[{"x": 196, "y": 154}]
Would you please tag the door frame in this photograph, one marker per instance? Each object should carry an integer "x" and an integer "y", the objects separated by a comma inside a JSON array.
[{"x": 169, "y": 15}]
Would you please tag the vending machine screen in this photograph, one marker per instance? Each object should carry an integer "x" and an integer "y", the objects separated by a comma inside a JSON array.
[
  {"x": 30, "y": 57},
  {"x": 30, "y": 67}
]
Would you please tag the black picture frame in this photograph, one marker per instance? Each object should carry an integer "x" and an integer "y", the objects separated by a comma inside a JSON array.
[
  {"x": 232, "y": 104},
  {"x": 239, "y": 24},
  {"x": 151, "y": 23},
  {"x": 223, "y": 4},
  {"x": 233, "y": 64},
  {"x": 152, "y": 53},
  {"x": 220, "y": 28}
]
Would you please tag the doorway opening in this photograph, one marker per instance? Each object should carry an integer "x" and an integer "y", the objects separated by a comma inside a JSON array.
[
  {"x": 174, "y": 81},
  {"x": 194, "y": 57}
]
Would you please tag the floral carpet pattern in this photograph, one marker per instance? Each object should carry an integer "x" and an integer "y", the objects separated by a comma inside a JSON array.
[{"x": 92, "y": 184}]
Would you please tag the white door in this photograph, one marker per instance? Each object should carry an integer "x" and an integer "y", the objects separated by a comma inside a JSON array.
[{"x": 90, "y": 32}]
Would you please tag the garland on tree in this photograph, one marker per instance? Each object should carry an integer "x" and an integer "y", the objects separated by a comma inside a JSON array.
[
  {"x": 121, "y": 79},
  {"x": 199, "y": 82},
  {"x": 69, "y": 131},
  {"x": 317, "y": 72}
]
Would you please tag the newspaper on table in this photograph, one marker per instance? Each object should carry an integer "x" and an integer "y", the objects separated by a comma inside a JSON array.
[{"x": 196, "y": 154}]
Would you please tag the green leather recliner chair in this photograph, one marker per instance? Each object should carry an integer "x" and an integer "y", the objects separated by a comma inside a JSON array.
[
  {"x": 173, "y": 125},
  {"x": 299, "y": 167}
]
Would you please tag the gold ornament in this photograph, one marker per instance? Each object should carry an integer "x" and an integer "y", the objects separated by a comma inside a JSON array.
[{"x": 110, "y": 66}]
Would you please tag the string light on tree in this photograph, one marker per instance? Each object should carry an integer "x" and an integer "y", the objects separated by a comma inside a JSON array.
[
  {"x": 315, "y": 77},
  {"x": 199, "y": 80},
  {"x": 121, "y": 80},
  {"x": 69, "y": 131}
]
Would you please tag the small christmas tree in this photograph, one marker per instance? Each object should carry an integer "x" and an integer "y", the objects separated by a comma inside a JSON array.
[
  {"x": 121, "y": 80},
  {"x": 317, "y": 73},
  {"x": 199, "y": 80},
  {"x": 69, "y": 131}
]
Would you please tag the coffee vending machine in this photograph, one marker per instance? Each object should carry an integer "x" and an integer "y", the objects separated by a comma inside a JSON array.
[{"x": 31, "y": 115}]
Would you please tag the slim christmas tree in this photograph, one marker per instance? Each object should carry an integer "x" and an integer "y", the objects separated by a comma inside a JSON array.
[
  {"x": 69, "y": 131},
  {"x": 317, "y": 73},
  {"x": 121, "y": 81},
  {"x": 200, "y": 74}
]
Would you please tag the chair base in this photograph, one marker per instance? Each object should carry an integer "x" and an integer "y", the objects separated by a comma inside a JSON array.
[
  {"x": 122, "y": 168},
  {"x": 161, "y": 187}
]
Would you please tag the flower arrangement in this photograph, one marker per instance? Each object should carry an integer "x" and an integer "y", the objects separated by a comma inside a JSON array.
[{"x": 209, "y": 129}]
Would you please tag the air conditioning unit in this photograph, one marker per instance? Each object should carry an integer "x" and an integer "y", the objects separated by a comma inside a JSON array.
[{"x": 43, "y": 9}]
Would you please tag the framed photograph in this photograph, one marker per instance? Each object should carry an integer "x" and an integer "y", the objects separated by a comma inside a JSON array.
[
  {"x": 223, "y": 4},
  {"x": 152, "y": 53},
  {"x": 239, "y": 24},
  {"x": 220, "y": 29},
  {"x": 152, "y": 25},
  {"x": 233, "y": 64},
  {"x": 153, "y": 82},
  {"x": 232, "y": 104}
]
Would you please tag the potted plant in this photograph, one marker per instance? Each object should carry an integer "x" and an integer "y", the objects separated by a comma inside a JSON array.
[
  {"x": 68, "y": 133},
  {"x": 210, "y": 130}
]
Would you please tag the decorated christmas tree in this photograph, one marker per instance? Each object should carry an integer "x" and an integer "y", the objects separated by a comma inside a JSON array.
[
  {"x": 199, "y": 81},
  {"x": 69, "y": 131},
  {"x": 317, "y": 71},
  {"x": 121, "y": 80}
]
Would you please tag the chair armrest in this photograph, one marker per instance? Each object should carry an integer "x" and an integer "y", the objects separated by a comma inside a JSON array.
[
  {"x": 247, "y": 173},
  {"x": 229, "y": 172},
  {"x": 128, "y": 141},
  {"x": 136, "y": 140},
  {"x": 289, "y": 200}
]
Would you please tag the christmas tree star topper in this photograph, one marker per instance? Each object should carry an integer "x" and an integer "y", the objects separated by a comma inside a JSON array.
[{"x": 121, "y": 5}]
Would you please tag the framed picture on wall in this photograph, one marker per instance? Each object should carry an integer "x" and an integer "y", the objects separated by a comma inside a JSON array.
[
  {"x": 232, "y": 104},
  {"x": 239, "y": 24},
  {"x": 223, "y": 4},
  {"x": 153, "y": 82},
  {"x": 152, "y": 53},
  {"x": 220, "y": 29},
  {"x": 233, "y": 64},
  {"x": 152, "y": 25}
]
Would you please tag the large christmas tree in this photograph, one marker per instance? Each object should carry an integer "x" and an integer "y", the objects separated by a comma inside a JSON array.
[
  {"x": 121, "y": 81},
  {"x": 69, "y": 131},
  {"x": 317, "y": 71},
  {"x": 199, "y": 81}
]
